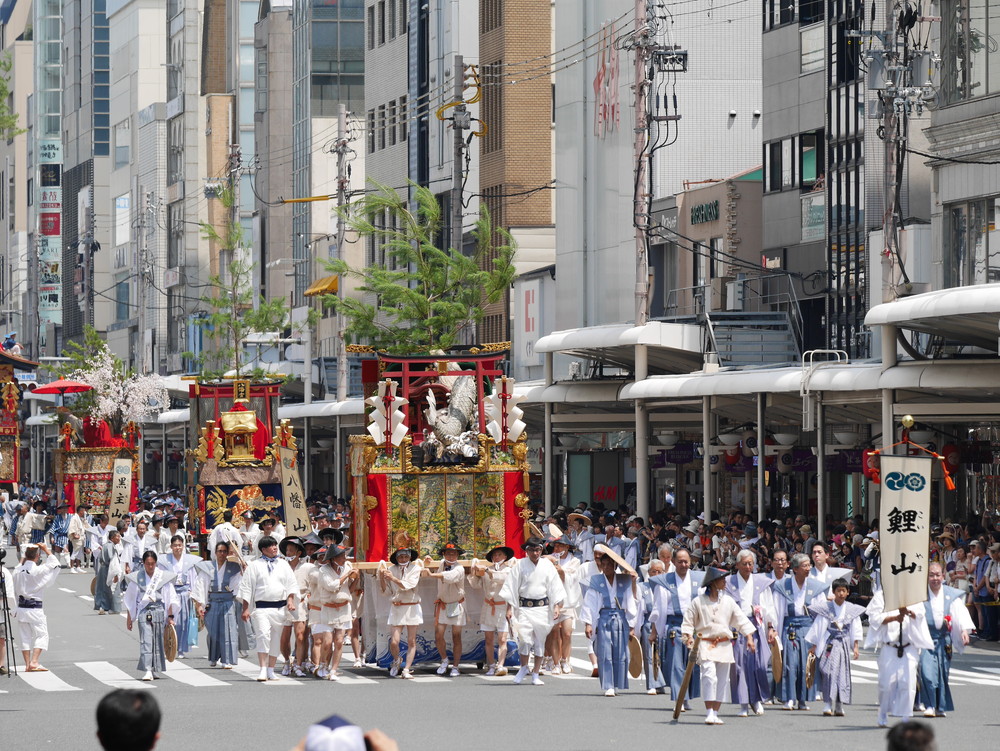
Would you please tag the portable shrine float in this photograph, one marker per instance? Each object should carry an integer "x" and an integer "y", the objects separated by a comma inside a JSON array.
[{"x": 444, "y": 460}]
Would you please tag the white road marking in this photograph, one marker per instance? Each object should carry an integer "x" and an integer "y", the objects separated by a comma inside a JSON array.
[
  {"x": 88, "y": 598},
  {"x": 249, "y": 670},
  {"x": 353, "y": 679},
  {"x": 111, "y": 675},
  {"x": 189, "y": 676},
  {"x": 428, "y": 679},
  {"x": 63, "y": 589},
  {"x": 45, "y": 682}
]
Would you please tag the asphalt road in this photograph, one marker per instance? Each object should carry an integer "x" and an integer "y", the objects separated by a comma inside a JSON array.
[{"x": 91, "y": 654}]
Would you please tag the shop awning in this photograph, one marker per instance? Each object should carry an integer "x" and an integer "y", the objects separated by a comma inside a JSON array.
[
  {"x": 671, "y": 347},
  {"x": 325, "y": 286},
  {"x": 964, "y": 314},
  {"x": 832, "y": 377},
  {"x": 48, "y": 418},
  {"x": 322, "y": 409},
  {"x": 174, "y": 416}
]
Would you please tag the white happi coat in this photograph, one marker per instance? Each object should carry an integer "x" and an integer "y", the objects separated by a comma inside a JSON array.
[
  {"x": 715, "y": 620},
  {"x": 493, "y": 616}
]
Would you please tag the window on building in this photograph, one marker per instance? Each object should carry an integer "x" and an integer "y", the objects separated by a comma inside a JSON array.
[
  {"x": 175, "y": 150},
  {"x": 123, "y": 141},
  {"x": 716, "y": 261},
  {"x": 810, "y": 11},
  {"x": 261, "y": 88},
  {"x": 381, "y": 22},
  {"x": 391, "y": 20},
  {"x": 371, "y": 27},
  {"x": 122, "y": 300},
  {"x": 404, "y": 19},
  {"x": 972, "y": 242},
  {"x": 490, "y": 15},
  {"x": 380, "y": 126},
  {"x": 811, "y": 159},
  {"x": 812, "y": 47},
  {"x": 371, "y": 131},
  {"x": 391, "y": 124},
  {"x": 175, "y": 234},
  {"x": 403, "y": 117},
  {"x": 845, "y": 57},
  {"x": 492, "y": 107},
  {"x": 778, "y": 13},
  {"x": 970, "y": 55}
]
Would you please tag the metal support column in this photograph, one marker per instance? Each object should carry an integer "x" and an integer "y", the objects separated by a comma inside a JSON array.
[
  {"x": 820, "y": 471},
  {"x": 760, "y": 457},
  {"x": 706, "y": 436},
  {"x": 547, "y": 438},
  {"x": 641, "y": 437}
]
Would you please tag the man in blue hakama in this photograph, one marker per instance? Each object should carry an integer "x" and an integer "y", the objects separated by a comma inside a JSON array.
[
  {"x": 609, "y": 615},
  {"x": 794, "y": 595},
  {"x": 949, "y": 623},
  {"x": 752, "y": 592},
  {"x": 672, "y": 594},
  {"x": 214, "y": 594}
]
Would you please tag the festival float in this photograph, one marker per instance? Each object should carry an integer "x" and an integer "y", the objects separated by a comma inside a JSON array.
[
  {"x": 10, "y": 425},
  {"x": 97, "y": 461},
  {"x": 444, "y": 460},
  {"x": 243, "y": 458}
]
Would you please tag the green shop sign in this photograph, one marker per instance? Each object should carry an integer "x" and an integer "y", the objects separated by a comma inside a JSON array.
[{"x": 705, "y": 212}]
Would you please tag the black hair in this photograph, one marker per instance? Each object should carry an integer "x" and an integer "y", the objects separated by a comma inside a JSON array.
[
  {"x": 149, "y": 554},
  {"x": 227, "y": 515},
  {"x": 176, "y": 538},
  {"x": 840, "y": 583},
  {"x": 128, "y": 720},
  {"x": 265, "y": 542},
  {"x": 223, "y": 543},
  {"x": 910, "y": 736}
]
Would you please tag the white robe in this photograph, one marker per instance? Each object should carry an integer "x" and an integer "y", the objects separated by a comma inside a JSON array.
[
  {"x": 897, "y": 676},
  {"x": 532, "y": 581}
]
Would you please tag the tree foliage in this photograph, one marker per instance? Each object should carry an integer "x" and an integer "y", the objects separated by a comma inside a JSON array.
[
  {"x": 425, "y": 295},
  {"x": 119, "y": 395},
  {"x": 8, "y": 118},
  {"x": 234, "y": 308}
]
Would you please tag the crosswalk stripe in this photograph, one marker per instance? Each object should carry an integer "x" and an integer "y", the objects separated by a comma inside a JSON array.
[
  {"x": 111, "y": 675},
  {"x": 969, "y": 674},
  {"x": 88, "y": 598},
  {"x": 248, "y": 670},
  {"x": 46, "y": 682},
  {"x": 353, "y": 679},
  {"x": 187, "y": 675},
  {"x": 63, "y": 589},
  {"x": 429, "y": 679}
]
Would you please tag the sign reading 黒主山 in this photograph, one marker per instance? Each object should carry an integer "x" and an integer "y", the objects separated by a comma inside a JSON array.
[
  {"x": 121, "y": 489},
  {"x": 293, "y": 500},
  {"x": 904, "y": 535}
]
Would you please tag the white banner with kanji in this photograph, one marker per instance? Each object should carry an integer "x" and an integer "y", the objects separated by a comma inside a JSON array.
[
  {"x": 121, "y": 490},
  {"x": 292, "y": 498},
  {"x": 904, "y": 529}
]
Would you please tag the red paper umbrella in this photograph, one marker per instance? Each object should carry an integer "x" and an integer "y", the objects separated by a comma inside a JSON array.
[{"x": 62, "y": 386}]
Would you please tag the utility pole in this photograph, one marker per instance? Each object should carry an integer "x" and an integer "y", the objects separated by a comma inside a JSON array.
[
  {"x": 643, "y": 49},
  {"x": 460, "y": 121},
  {"x": 342, "y": 179}
]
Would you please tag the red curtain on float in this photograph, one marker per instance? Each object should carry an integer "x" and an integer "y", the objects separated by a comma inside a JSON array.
[
  {"x": 513, "y": 484},
  {"x": 378, "y": 518}
]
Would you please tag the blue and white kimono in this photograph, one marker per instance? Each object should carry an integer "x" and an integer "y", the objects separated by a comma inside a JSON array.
[
  {"x": 833, "y": 634},
  {"x": 748, "y": 679},
  {"x": 671, "y": 597},
  {"x": 185, "y": 618},
  {"x": 654, "y": 675},
  {"x": 60, "y": 530},
  {"x": 215, "y": 588},
  {"x": 584, "y": 542},
  {"x": 795, "y": 602},
  {"x": 610, "y": 609},
  {"x": 935, "y": 664},
  {"x": 149, "y": 601},
  {"x": 632, "y": 551}
]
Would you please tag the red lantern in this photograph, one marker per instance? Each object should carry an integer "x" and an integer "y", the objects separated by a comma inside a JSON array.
[
  {"x": 732, "y": 455},
  {"x": 871, "y": 466},
  {"x": 952, "y": 457}
]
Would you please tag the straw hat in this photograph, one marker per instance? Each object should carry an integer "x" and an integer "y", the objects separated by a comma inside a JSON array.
[{"x": 619, "y": 561}]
